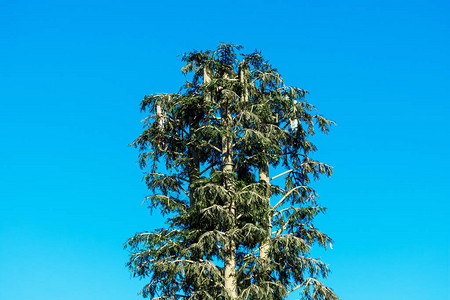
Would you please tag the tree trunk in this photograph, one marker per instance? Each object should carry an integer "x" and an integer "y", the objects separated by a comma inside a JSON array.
[
  {"x": 265, "y": 245},
  {"x": 227, "y": 168},
  {"x": 264, "y": 176},
  {"x": 206, "y": 79},
  {"x": 243, "y": 78},
  {"x": 230, "y": 246}
]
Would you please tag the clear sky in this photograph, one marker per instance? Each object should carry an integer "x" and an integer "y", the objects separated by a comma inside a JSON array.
[{"x": 72, "y": 74}]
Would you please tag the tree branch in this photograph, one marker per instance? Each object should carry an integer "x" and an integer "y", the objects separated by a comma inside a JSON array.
[
  {"x": 284, "y": 173},
  {"x": 288, "y": 193}
]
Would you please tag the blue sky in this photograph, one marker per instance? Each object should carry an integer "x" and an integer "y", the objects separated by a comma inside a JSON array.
[{"x": 72, "y": 74}]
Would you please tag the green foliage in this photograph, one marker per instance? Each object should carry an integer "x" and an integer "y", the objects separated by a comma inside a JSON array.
[{"x": 234, "y": 117}]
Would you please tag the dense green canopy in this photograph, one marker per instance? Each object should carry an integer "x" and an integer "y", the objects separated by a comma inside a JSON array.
[{"x": 231, "y": 233}]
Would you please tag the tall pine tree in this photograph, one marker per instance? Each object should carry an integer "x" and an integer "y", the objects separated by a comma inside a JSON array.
[{"x": 231, "y": 233}]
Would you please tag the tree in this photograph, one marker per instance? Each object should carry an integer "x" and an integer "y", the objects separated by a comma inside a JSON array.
[{"x": 231, "y": 234}]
